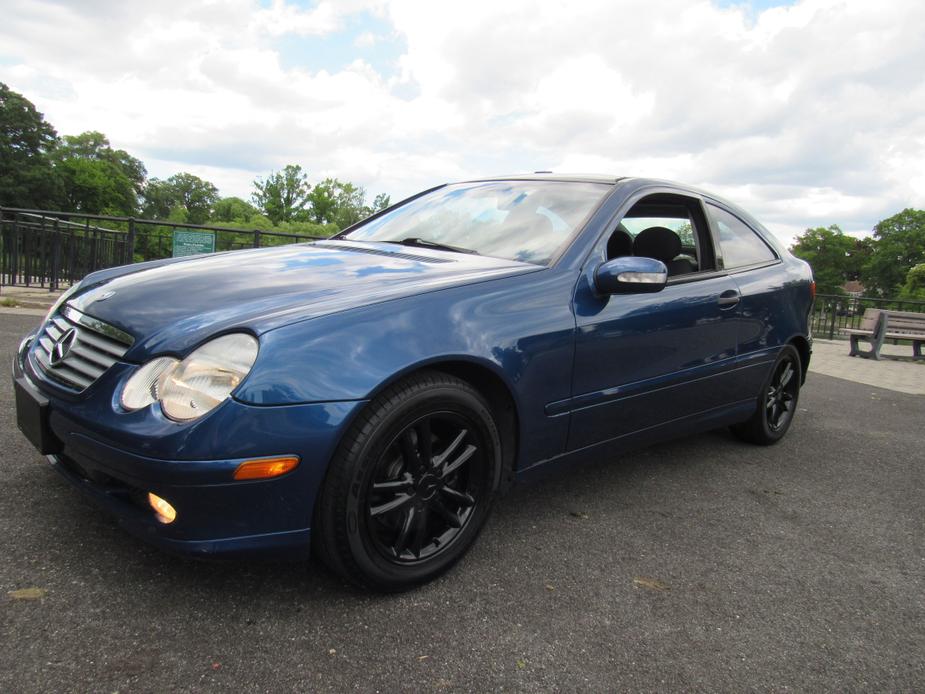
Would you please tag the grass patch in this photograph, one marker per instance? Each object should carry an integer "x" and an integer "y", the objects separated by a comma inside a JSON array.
[{"x": 7, "y": 302}]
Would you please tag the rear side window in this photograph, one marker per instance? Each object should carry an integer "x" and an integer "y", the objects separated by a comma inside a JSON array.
[{"x": 740, "y": 245}]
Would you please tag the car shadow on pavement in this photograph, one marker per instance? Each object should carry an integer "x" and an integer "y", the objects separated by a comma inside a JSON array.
[{"x": 94, "y": 548}]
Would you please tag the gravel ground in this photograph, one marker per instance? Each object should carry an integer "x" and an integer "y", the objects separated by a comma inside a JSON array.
[{"x": 702, "y": 564}]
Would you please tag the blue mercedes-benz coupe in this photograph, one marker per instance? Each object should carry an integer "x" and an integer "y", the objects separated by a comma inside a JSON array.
[{"x": 369, "y": 395}]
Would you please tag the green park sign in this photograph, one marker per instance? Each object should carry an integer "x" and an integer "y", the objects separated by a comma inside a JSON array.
[{"x": 192, "y": 242}]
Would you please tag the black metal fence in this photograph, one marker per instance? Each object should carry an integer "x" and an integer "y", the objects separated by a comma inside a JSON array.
[
  {"x": 41, "y": 248},
  {"x": 831, "y": 312}
]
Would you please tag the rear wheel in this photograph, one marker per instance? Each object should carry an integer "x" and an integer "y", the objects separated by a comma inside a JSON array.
[
  {"x": 777, "y": 402},
  {"x": 411, "y": 484}
]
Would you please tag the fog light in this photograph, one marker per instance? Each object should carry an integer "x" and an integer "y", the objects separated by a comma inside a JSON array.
[
  {"x": 263, "y": 468},
  {"x": 165, "y": 512}
]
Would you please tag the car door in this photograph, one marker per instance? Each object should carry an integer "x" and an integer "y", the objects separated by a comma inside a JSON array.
[{"x": 650, "y": 359}]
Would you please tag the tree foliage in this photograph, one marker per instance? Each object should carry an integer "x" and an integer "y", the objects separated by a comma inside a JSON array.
[
  {"x": 26, "y": 174},
  {"x": 94, "y": 187},
  {"x": 183, "y": 195},
  {"x": 380, "y": 202},
  {"x": 342, "y": 203},
  {"x": 157, "y": 200},
  {"x": 914, "y": 288},
  {"x": 899, "y": 244},
  {"x": 834, "y": 256},
  {"x": 94, "y": 146},
  {"x": 95, "y": 178},
  {"x": 283, "y": 195},
  {"x": 234, "y": 210}
]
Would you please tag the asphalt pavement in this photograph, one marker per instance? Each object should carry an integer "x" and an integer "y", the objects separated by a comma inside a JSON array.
[{"x": 702, "y": 564}]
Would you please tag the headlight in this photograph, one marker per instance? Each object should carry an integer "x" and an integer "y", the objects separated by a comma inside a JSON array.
[
  {"x": 190, "y": 388},
  {"x": 144, "y": 387}
]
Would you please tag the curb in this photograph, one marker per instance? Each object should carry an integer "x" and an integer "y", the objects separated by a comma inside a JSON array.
[{"x": 24, "y": 311}]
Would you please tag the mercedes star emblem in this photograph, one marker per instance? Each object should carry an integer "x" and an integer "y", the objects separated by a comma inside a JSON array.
[{"x": 62, "y": 346}]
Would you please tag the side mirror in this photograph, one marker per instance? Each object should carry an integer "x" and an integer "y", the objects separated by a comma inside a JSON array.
[{"x": 630, "y": 275}]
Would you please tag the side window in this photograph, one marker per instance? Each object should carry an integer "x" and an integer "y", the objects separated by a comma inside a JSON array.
[
  {"x": 667, "y": 227},
  {"x": 740, "y": 245}
]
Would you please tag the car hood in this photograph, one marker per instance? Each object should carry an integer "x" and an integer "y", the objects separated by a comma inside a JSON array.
[{"x": 170, "y": 307}]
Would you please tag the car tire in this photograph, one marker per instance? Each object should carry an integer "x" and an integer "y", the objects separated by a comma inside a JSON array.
[
  {"x": 777, "y": 402},
  {"x": 411, "y": 484}
]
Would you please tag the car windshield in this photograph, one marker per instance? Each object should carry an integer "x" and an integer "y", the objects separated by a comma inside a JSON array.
[{"x": 527, "y": 221}]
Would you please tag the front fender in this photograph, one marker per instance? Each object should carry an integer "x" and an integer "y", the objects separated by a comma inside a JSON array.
[{"x": 522, "y": 328}]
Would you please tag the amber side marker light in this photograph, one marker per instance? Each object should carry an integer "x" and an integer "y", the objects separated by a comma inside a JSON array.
[
  {"x": 165, "y": 512},
  {"x": 262, "y": 468}
]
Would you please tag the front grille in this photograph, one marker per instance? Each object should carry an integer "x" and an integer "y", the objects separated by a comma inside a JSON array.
[{"x": 76, "y": 349}]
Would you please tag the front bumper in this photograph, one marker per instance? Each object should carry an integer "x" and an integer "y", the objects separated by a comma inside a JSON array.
[{"x": 216, "y": 515}]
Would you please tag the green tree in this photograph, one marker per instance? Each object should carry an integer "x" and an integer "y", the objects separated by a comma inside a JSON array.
[
  {"x": 26, "y": 175},
  {"x": 899, "y": 245},
  {"x": 196, "y": 197},
  {"x": 322, "y": 202},
  {"x": 380, "y": 202},
  {"x": 914, "y": 288},
  {"x": 832, "y": 254},
  {"x": 157, "y": 200},
  {"x": 233, "y": 210},
  {"x": 283, "y": 195},
  {"x": 95, "y": 178},
  {"x": 342, "y": 203},
  {"x": 94, "y": 187},
  {"x": 351, "y": 205},
  {"x": 95, "y": 145}
]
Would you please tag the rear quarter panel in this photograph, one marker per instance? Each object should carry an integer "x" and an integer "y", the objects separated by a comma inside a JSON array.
[{"x": 774, "y": 309}]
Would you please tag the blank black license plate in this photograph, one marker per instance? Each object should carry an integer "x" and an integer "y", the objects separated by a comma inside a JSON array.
[{"x": 32, "y": 417}]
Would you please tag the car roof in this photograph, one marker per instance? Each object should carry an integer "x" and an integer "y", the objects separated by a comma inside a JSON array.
[
  {"x": 550, "y": 176},
  {"x": 636, "y": 181}
]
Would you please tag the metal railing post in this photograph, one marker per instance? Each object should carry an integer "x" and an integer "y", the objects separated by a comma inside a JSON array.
[
  {"x": 4, "y": 246},
  {"x": 55, "y": 258},
  {"x": 72, "y": 258},
  {"x": 130, "y": 246},
  {"x": 92, "y": 238},
  {"x": 38, "y": 255},
  {"x": 14, "y": 249},
  {"x": 27, "y": 253},
  {"x": 256, "y": 238}
]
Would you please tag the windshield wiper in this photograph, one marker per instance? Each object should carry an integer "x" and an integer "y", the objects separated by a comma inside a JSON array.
[{"x": 424, "y": 243}]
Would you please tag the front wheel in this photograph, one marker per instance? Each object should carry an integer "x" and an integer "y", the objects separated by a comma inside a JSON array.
[
  {"x": 411, "y": 485},
  {"x": 777, "y": 402}
]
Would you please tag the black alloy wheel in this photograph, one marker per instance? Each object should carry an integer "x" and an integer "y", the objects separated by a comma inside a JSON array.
[
  {"x": 410, "y": 485},
  {"x": 426, "y": 487},
  {"x": 777, "y": 402},
  {"x": 781, "y": 395}
]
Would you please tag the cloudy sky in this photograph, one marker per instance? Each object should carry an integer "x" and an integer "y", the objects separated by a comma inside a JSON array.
[{"x": 807, "y": 113}]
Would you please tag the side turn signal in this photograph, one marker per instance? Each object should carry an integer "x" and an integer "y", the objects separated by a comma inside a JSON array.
[{"x": 262, "y": 468}]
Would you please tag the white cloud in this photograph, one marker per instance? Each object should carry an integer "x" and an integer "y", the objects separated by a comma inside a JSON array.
[
  {"x": 365, "y": 40},
  {"x": 809, "y": 113}
]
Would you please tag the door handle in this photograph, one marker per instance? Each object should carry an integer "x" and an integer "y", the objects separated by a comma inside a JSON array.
[{"x": 729, "y": 298}]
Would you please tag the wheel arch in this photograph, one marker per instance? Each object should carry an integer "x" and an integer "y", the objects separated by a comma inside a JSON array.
[
  {"x": 493, "y": 387},
  {"x": 803, "y": 349}
]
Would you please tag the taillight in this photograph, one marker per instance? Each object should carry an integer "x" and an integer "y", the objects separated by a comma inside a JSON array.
[{"x": 812, "y": 290}]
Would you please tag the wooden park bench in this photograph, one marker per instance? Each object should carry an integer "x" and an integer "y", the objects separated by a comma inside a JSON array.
[{"x": 878, "y": 325}]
